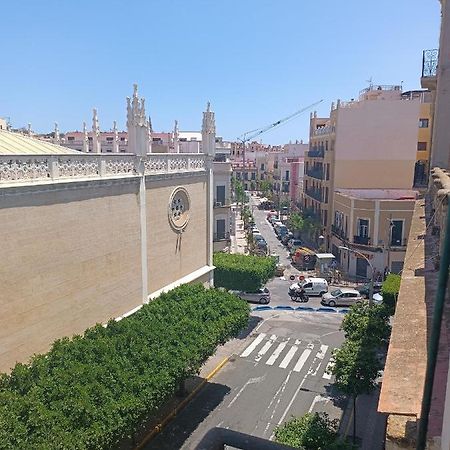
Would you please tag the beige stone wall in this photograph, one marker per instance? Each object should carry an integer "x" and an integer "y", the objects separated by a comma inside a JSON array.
[
  {"x": 171, "y": 255},
  {"x": 70, "y": 258}
]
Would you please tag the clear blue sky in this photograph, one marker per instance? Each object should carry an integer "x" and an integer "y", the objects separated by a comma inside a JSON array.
[{"x": 255, "y": 60}]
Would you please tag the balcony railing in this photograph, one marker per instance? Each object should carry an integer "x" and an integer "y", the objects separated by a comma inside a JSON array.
[
  {"x": 399, "y": 242},
  {"x": 361, "y": 240},
  {"x": 324, "y": 130},
  {"x": 225, "y": 236},
  {"x": 339, "y": 232},
  {"x": 314, "y": 193},
  {"x": 315, "y": 173},
  {"x": 221, "y": 203},
  {"x": 316, "y": 153},
  {"x": 429, "y": 62}
]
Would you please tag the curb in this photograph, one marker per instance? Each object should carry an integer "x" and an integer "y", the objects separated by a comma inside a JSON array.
[{"x": 158, "y": 428}]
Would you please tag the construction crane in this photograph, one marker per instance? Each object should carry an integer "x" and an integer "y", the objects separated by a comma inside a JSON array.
[{"x": 249, "y": 135}]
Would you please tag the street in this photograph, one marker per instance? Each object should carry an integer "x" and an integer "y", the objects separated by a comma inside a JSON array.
[{"x": 278, "y": 372}]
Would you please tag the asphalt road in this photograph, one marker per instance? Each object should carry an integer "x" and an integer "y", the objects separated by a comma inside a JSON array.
[{"x": 279, "y": 372}]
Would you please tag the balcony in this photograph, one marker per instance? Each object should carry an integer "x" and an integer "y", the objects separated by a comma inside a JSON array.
[
  {"x": 314, "y": 193},
  {"x": 339, "y": 232},
  {"x": 399, "y": 243},
  {"x": 222, "y": 203},
  {"x": 361, "y": 240},
  {"x": 429, "y": 68},
  {"x": 315, "y": 172},
  {"x": 316, "y": 153}
]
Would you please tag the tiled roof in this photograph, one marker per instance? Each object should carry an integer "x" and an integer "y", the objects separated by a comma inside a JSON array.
[{"x": 18, "y": 144}]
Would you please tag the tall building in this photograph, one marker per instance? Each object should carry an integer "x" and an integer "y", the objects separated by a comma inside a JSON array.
[
  {"x": 417, "y": 405},
  {"x": 369, "y": 143}
]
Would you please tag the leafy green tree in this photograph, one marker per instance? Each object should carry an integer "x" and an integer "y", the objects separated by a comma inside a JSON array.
[
  {"x": 368, "y": 324},
  {"x": 390, "y": 290},
  {"x": 356, "y": 369},
  {"x": 239, "y": 191},
  {"x": 266, "y": 187},
  {"x": 297, "y": 223},
  {"x": 313, "y": 431}
]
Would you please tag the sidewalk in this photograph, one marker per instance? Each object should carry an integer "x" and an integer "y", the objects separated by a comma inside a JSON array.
[{"x": 239, "y": 240}]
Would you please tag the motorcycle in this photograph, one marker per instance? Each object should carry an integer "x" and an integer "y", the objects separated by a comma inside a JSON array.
[{"x": 298, "y": 295}]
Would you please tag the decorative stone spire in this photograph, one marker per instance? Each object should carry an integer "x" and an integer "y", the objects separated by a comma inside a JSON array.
[
  {"x": 209, "y": 132},
  {"x": 56, "y": 138},
  {"x": 176, "y": 140},
  {"x": 29, "y": 129},
  {"x": 96, "y": 145},
  {"x": 116, "y": 138},
  {"x": 139, "y": 134},
  {"x": 85, "y": 139}
]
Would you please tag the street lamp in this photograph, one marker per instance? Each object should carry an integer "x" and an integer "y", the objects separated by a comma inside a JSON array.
[{"x": 341, "y": 247}]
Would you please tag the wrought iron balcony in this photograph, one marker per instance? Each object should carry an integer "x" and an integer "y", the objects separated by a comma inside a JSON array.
[
  {"x": 361, "y": 240},
  {"x": 399, "y": 242},
  {"x": 339, "y": 232},
  {"x": 314, "y": 193},
  {"x": 429, "y": 62},
  {"x": 316, "y": 153},
  {"x": 316, "y": 172}
]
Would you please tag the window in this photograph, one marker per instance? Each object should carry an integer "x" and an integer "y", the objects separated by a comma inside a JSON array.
[
  {"x": 253, "y": 175},
  {"x": 396, "y": 232},
  {"x": 109, "y": 139},
  {"x": 70, "y": 138},
  {"x": 422, "y": 146},
  {"x": 287, "y": 175},
  {"x": 363, "y": 227},
  {"x": 423, "y": 123},
  {"x": 220, "y": 194},
  {"x": 90, "y": 138},
  {"x": 122, "y": 139}
]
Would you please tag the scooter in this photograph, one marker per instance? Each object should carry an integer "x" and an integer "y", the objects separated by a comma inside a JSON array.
[{"x": 298, "y": 296}]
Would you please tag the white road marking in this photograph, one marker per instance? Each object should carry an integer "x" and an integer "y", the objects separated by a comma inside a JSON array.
[
  {"x": 266, "y": 347},
  {"x": 317, "y": 399},
  {"x": 304, "y": 356},
  {"x": 289, "y": 356},
  {"x": 276, "y": 353},
  {"x": 278, "y": 395},
  {"x": 253, "y": 345},
  {"x": 330, "y": 365},
  {"x": 250, "y": 381},
  {"x": 319, "y": 356}
]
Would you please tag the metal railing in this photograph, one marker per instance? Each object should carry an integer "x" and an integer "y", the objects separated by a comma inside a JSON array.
[
  {"x": 430, "y": 62},
  {"x": 361, "y": 240},
  {"x": 314, "y": 193},
  {"x": 339, "y": 232},
  {"x": 315, "y": 173},
  {"x": 399, "y": 242},
  {"x": 381, "y": 87},
  {"x": 316, "y": 153}
]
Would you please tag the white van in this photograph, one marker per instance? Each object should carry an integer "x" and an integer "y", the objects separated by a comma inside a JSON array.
[{"x": 314, "y": 286}]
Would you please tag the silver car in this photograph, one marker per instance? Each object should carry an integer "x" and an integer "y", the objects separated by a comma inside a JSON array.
[
  {"x": 261, "y": 296},
  {"x": 341, "y": 297}
]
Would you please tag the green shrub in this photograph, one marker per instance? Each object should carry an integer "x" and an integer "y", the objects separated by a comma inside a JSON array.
[
  {"x": 242, "y": 272},
  {"x": 390, "y": 289},
  {"x": 91, "y": 391},
  {"x": 313, "y": 431}
]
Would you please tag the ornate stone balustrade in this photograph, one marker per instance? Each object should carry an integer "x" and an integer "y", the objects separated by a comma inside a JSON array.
[{"x": 39, "y": 168}]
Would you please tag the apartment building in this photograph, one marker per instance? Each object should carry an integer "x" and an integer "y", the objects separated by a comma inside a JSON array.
[
  {"x": 368, "y": 143},
  {"x": 377, "y": 223},
  {"x": 407, "y": 386}
]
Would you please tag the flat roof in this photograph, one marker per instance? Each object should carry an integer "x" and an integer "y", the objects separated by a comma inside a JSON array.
[
  {"x": 379, "y": 194},
  {"x": 325, "y": 255}
]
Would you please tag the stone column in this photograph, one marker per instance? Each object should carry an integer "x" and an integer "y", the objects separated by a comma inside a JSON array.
[
  {"x": 56, "y": 138},
  {"x": 176, "y": 141},
  {"x": 85, "y": 139},
  {"x": 96, "y": 144},
  {"x": 115, "y": 139},
  {"x": 209, "y": 148}
]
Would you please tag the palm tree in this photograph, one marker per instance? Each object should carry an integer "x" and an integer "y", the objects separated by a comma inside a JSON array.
[{"x": 297, "y": 223}]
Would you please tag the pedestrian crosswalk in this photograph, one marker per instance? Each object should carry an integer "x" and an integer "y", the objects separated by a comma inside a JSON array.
[{"x": 291, "y": 354}]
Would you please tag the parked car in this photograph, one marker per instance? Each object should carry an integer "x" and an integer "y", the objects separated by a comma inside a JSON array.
[
  {"x": 341, "y": 297},
  {"x": 312, "y": 286},
  {"x": 286, "y": 238},
  {"x": 364, "y": 290},
  {"x": 261, "y": 296},
  {"x": 294, "y": 244}
]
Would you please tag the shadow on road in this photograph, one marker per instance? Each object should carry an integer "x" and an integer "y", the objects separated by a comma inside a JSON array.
[
  {"x": 252, "y": 324},
  {"x": 176, "y": 433}
]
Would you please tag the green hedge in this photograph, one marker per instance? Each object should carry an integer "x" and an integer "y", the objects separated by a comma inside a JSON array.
[
  {"x": 390, "y": 289},
  {"x": 94, "y": 390},
  {"x": 242, "y": 272}
]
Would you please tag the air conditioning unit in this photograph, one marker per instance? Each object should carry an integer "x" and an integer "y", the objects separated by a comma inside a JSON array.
[{"x": 216, "y": 204}]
